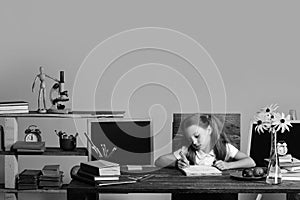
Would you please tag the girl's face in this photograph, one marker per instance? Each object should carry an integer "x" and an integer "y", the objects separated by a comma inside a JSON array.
[{"x": 198, "y": 136}]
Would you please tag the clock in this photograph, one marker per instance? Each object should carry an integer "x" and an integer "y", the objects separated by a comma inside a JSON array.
[
  {"x": 32, "y": 134},
  {"x": 282, "y": 148},
  {"x": 74, "y": 171}
]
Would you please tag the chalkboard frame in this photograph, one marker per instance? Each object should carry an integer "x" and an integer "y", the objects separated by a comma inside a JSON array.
[{"x": 124, "y": 160}]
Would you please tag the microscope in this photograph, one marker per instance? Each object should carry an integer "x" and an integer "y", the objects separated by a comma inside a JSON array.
[{"x": 57, "y": 105}]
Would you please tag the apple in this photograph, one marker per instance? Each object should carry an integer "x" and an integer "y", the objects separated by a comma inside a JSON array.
[
  {"x": 258, "y": 171},
  {"x": 248, "y": 172}
]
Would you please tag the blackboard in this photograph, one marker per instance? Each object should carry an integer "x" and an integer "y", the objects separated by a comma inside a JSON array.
[
  {"x": 260, "y": 143},
  {"x": 132, "y": 137}
]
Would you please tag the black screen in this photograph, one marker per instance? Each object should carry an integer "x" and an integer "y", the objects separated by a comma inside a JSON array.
[
  {"x": 261, "y": 143},
  {"x": 133, "y": 140}
]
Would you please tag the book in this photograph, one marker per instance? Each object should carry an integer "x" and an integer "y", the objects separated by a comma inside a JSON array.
[
  {"x": 28, "y": 145},
  {"x": 294, "y": 163},
  {"x": 30, "y": 151},
  {"x": 28, "y": 179},
  {"x": 30, "y": 173},
  {"x": 101, "y": 168},
  {"x": 7, "y": 107},
  {"x": 51, "y": 170},
  {"x": 50, "y": 183},
  {"x": 96, "y": 178},
  {"x": 50, "y": 178},
  {"x": 285, "y": 158},
  {"x": 292, "y": 176},
  {"x": 13, "y": 103},
  {"x": 292, "y": 169},
  {"x": 27, "y": 186},
  {"x": 122, "y": 180},
  {"x": 201, "y": 170},
  {"x": 14, "y": 111},
  {"x": 3, "y": 108}
]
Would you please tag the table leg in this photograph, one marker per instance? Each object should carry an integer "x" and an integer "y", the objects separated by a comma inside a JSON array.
[{"x": 293, "y": 196}]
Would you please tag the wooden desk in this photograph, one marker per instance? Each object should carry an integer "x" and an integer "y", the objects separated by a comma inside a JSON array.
[{"x": 172, "y": 181}]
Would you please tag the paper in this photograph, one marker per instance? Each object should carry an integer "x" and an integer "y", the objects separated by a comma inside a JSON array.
[{"x": 201, "y": 170}]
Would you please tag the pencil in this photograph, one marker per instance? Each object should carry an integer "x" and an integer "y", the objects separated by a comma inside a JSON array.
[{"x": 147, "y": 176}]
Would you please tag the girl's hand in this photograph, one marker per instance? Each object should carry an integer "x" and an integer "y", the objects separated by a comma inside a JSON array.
[
  {"x": 183, "y": 162},
  {"x": 221, "y": 165}
]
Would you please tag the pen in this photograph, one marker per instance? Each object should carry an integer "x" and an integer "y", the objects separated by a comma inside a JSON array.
[
  {"x": 183, "y": 157},
  {"x": 147, "y": 176}
]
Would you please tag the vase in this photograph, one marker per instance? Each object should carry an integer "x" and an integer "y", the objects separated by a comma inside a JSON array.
[{"x": 273, "y": 172}]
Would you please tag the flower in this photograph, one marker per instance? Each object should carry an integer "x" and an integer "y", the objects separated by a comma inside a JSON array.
[
  {"x": 270, "y": 109},
  {"x": 282, "y": 123},
  {"x": 270, "y": 120}
]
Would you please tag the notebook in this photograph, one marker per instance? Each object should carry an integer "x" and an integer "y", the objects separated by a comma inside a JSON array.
[{"x": 201, "y": 170}]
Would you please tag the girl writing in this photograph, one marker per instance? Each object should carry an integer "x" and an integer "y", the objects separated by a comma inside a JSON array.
[{"x": 209, "y": 145}]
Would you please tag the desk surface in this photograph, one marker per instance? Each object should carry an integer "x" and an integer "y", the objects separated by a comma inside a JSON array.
[{"x": 172, "y": 181}]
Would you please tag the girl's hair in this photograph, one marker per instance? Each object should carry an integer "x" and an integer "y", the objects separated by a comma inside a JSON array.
[{"x": 218, "y": 139}]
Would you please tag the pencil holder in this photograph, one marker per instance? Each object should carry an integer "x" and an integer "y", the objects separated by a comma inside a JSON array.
[{"x": 67, "y": 142}]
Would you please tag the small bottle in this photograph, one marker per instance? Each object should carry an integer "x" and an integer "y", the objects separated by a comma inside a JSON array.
[{"x": 293, "y": 114}]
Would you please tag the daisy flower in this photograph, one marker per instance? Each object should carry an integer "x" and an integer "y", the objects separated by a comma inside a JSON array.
[
  {"x": 268, "y": 119},
  {"x": 262, "y": 122},
  {"x": 282, "y": 123},
  {"x": 270, "y": 109}
]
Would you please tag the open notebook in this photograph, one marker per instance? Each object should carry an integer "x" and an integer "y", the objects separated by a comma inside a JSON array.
[{"x": 201, "y": 170}]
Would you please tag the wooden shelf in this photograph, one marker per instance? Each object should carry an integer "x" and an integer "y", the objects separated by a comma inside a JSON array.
[
  {"x": 74, "y": 114},
  {"x": 60, "y": 190},
  {"x": 52, "y": 151}
]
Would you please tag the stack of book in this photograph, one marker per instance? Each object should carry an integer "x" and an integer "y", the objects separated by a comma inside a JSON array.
[
  {"x": 29, "y": 147},
  {"x": 51, "y": 178},
  {"x": 290, "y": 169},
  {"x": 7, "y": 107},
  {"x": 101, "y": 173},
  {"x": 28, "y": 179}
]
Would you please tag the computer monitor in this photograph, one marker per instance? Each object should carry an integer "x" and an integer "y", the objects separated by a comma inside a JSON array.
[
  {"x": 132, "y": 137},
  {"x": 260, "y": 143}
]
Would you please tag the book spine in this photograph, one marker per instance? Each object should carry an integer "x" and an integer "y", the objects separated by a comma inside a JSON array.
[
  {"x": 83, "y": 179},
  {"x": 14, "y": 104},
  {"x": 86, "y": 175},
  {"x": 13, "y": 108},
  {"x": 90, "y": 169},
  {"x": 14, "y": 111},
  {"x": 97, "y": 178}
]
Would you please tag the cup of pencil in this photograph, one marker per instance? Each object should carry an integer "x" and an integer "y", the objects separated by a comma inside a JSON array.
[{"x": 67, "y": 142}]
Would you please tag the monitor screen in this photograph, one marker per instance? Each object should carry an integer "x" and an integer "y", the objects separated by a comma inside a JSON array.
[
  {"x": 261, "y": 143},
  {"x": 131, "y": 138}
]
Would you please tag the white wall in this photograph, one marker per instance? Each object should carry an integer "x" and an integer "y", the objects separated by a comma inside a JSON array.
[{"x": 253, "y": 44}]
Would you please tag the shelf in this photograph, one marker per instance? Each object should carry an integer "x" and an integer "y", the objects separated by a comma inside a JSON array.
[
  {"x": 60, "y": 190},
  {"x": 74, "y": 114},
  {"x": 52, "y": 151}
]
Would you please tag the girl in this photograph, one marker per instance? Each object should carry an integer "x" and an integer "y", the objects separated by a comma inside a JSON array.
[{"x": 209, "y": 145}]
